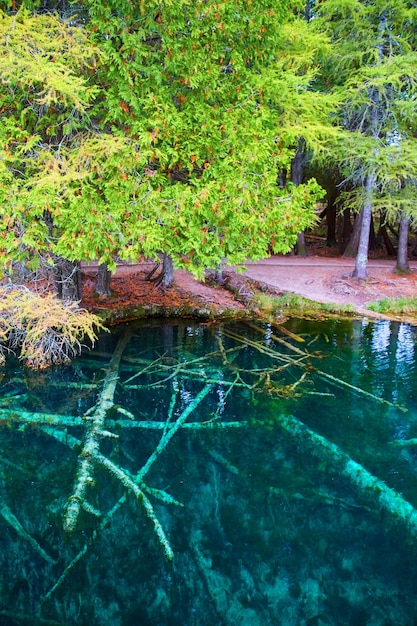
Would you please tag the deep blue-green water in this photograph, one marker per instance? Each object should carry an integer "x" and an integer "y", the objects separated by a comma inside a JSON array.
[{"x": 229, "y": 448}]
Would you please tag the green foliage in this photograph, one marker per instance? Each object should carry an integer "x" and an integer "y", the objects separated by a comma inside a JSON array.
[
  {"x": 187, "y": 82},
  {"x": 161, "y": 130},
  {"x": 373, "y": 68},
  {"x": 161, "y": 126},
  {"x": 40, "y": 56},
  {"x": 44, "y": 330},
  {"x": 45, "y": 95}
]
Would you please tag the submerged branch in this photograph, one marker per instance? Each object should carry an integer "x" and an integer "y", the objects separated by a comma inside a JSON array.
[
  {"x": 92, "y": 440},
  {"x": 358, "y": 390},
  {"x": 28, "y": 417},
  {"x": 273, "y": 354},
  {"x": 138, "y": 493},
  {"x": 404, "y": 442},
  {"x": 368, "y": 486},
  {"x": 170, "y": 432},
  {"x": 134, "y": 485},
  {"x": 145, "y": 369},
  {"x": 321, "y": 373},
  {"x": 32, "y": 620},
  {"x": 12, "y": 520}
]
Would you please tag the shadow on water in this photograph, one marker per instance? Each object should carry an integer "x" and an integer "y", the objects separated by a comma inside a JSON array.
[{"x": 185, "y": 474}]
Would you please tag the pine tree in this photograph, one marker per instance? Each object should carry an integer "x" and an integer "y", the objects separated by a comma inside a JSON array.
[{"x": 373, "y": 68}]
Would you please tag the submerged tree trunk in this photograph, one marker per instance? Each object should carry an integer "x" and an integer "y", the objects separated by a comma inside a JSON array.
[
  {"x": 103, "y": 281},
  {"x": 371, "y": 488},
  {"x": 361, "y": 263},
  {"x": 402, "y": 254},
  {"x": 67, "y": 279}
]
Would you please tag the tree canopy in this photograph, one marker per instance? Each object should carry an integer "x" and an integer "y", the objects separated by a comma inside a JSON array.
[
  {"x": 134, "y": 129},
  {"x": 145, "y": 129}
]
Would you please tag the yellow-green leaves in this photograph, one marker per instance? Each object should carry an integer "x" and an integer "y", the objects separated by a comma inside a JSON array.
[
  {"x": 43, "y": 55},
  {"x": 167, "y": 139},
  {"x": 42, "y": 329}
]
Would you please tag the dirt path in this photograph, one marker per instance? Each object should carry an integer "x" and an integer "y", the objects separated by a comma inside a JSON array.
[
  {"x": 323, "y": 279},
  {"x": 326, "y": 279}
]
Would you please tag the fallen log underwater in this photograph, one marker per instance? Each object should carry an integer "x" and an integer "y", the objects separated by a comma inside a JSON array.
[
  {"x": 98, "y": 425},
  {"x": 368, "y": 486},
  {"x": 91, "y": 443}
]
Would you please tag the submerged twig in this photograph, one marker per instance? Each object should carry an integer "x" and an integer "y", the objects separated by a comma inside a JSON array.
[
  {"x": 144, "y": 369},
  {"x": 332, "y": 379},
  {"x": 358, "y": 390}
]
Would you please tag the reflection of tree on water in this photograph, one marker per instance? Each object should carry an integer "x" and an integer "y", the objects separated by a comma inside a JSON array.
[{"x": 254, "y": 369}]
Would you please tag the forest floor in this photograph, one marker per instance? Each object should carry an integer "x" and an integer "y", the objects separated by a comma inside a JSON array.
[{"x": 318, "y": 277}]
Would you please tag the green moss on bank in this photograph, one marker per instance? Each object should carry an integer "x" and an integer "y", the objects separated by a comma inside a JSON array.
[
  {"x": 395, "y": 306},
  {"x": 290, "y": 304}
]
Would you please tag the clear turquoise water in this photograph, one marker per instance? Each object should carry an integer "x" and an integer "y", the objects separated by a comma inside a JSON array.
[{"x": 272, "y": 529}]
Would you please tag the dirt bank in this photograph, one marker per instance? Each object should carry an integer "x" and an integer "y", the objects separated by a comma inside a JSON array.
[{"x": 317, "y": 278}]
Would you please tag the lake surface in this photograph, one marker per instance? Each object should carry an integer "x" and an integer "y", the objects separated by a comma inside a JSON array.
[{"x": 220, "y": 474}]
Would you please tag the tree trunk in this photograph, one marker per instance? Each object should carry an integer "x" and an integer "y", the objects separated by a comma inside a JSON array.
[
  {"x": 301, "y": 245},
  {"x": 331, "y": 219},
  {"x": 387, "y": 241},
  {"x": 361, "y": 263},
  {"x": 351, "y": 249},
  {"x": 103, "y": 281},
  {"x": 373, "y": 243},
  {"x": 344, "y": 230},
  {"x": 218, "y": 275},
  {"x": 167, "y": 270},
  {"x": 67, "y": 279},
  {"x": 360, "y": 270},
  {"x": 282, "y": 178},
  {"x": 402, "y": 255},
  {"x": 297, "y": 165}
]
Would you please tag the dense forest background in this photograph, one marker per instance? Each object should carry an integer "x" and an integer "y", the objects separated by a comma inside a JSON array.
[{"x": 203, "y": 132}]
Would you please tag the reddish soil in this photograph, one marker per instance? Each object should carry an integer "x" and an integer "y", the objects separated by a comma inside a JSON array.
[
  {"x": 319, "y": 278},
  {"x": 132, "y": 292}
]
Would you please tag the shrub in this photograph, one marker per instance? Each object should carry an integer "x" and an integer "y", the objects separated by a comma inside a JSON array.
[{"x": 42, "y": 329}]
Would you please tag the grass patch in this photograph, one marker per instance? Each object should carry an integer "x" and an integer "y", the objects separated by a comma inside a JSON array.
[
  {"x": 292, "y": 304},
  {"x": 394, "y": 306}
]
